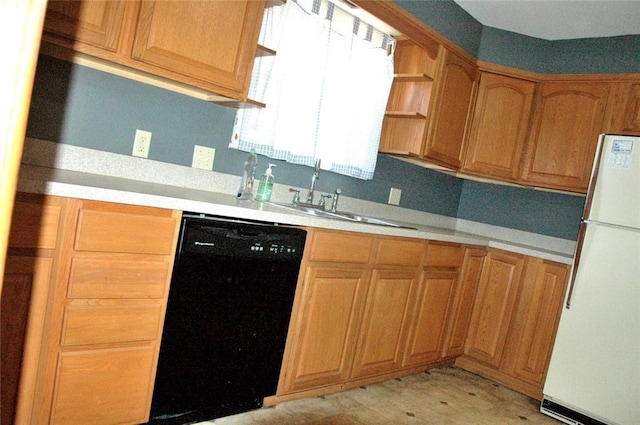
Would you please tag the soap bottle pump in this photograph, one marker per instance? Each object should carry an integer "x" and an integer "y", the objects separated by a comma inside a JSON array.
[
  {"x": 245, "y": 191},
  {"x": 266, "y": 185}
]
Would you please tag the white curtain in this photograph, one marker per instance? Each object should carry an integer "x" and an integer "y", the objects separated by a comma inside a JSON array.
[{"x": 326, "y": 89}]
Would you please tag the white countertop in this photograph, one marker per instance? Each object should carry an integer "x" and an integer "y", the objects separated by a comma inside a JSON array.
[{"x": 69, "y": 171}]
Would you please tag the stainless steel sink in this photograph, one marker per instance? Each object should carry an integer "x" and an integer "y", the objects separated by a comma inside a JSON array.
[{"x": 342, "y": 215}]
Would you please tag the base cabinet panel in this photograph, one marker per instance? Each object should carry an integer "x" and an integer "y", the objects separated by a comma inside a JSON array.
[
  {"x": 104, "y": 386},
  {"x": 325, "y": 339},
  {"x": 381, "y": 336}
]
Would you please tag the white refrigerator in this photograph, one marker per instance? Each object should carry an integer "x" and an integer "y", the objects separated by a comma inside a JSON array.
[{"x": 594, "y": 374}]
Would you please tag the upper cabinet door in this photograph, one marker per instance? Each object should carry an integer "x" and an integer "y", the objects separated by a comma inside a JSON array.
[
  {"x": 449, "y": 118},
  {"x": 625, "y": 109},
  {"x": 96, "y": 23},
  {"x": 205, "y": 40},
  {"x": 499, "y": 127},
  {"x": 567, "y": 120}
]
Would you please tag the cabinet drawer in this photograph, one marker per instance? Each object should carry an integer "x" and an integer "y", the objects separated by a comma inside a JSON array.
[
  {"x": 397, "y": 252},
  {"x": 103, "y": 386},
  {"x": 109, "y": 324},
  {"x": 118, "y": 278},
  {"x": 34, "y": 223},
  {"x": 114, "y": 231},
  {"x": 440, "y": 254},
  {"x": 341, "y": 247}
]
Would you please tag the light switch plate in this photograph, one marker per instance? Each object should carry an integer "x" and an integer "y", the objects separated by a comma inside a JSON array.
[
  {"x": 394, "y": 196},
  {"x": 203, "y": 157}
]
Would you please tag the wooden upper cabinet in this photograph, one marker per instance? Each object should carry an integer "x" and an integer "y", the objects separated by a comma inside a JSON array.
[
  {"x": 449, "y": 117},
  {"x": 499, "y": 127},
  {"x": 207, "y": 45},
  {"x": 96, "y": 23},
  {"x": 624, "y": 109},
  {"x": 207, "y": 40},
  {"x": 567, "y": 120}
]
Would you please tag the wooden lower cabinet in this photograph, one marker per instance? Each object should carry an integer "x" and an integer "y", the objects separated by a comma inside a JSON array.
[
  {"x": 381, "y": 342},
  {"x": 514, "y": 321},
  {"x": 464, "y": 299},
  {"x": 357, "y": 322},
  {"x": 96, "y": 288},
  {"x": 324, "y": 333}
]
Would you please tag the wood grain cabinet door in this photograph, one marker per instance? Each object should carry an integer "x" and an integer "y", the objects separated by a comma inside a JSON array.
[
  {"x": 625, "y": 109},
  {"x": 207, "y": 40},
  {"x": 96, "y": 23},
  {"x": 495, "y": 301},
  {"x": 567, "y": 120},
  {"x": 429, "y": 317},
  {"x": 325, "y": 328},
  {"x": 536, "y": 320},
  {"x": 465, "y": 295},
  {"x": 449, "y": 117},
  {"x": 381, "y": 340},
  {"x": 499, "y": 127}
]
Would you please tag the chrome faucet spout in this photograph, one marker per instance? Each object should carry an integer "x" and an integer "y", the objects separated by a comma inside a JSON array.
[{"x": 314, "y": 178}]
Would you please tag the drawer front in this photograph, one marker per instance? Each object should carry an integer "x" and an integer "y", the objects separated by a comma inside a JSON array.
[
  {"x": 441, "y": 254},
  {"x": 397, "y": 252},
  {"x": 118, "y": 278},
  {"x": 341, "y": 247},
  {"x": 110, "y": 231},
  {"x": 104, "y": 386},
  {"x": 110, "y": 324}
]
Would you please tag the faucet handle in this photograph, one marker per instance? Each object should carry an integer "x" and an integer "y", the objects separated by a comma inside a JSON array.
[
  {"x": 334, "y": 203},
  {"x": 296, "y": 196},
  {"x": 322, "y": 199}
]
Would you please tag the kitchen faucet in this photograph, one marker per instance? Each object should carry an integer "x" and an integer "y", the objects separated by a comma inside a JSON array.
[{"x": 314, "y": 178}]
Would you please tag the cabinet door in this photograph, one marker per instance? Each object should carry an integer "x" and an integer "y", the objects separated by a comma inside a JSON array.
[
  {"x": 96, "y": 23},
  {"x": 465, "y": 296},
  {"x": 449, "y": 117},
  {"x": 567, "y": 120},
  {"x": 24, "y": 296},
  {"x": 494, "y": 306},
  {"x": 536, "y": 319},
  {"x": 207, "y": 40},
  {"x": 428, "y": 319},
  {"x": 109, "y": 386},
  {"x": 380, "y": 343},
  {"x": 625, "y": 109},
  {"x": 499, "y": 127},
  {"x": 325, "y": 330}
]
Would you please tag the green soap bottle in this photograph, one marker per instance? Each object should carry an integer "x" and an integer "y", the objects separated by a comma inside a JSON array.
[{"x": 266, "y": 185}]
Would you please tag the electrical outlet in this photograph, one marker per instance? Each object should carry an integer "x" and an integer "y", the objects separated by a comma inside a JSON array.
[
  {"x": 141, "y": 144},
  {"x": 394, "y": 196},
  {"x": 203, "y": 157}
]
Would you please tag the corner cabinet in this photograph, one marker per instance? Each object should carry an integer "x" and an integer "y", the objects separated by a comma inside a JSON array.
[
  {"x": 429, "y": 105},
  {"x": 209, "y": 45},
  {"x": 514, "y": 320},
  {"x": 100, "y": 317},
  {"x": 567, "y": 120}
]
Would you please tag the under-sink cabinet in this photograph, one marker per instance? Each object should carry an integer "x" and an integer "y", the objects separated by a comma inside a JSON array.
[
  {"x": 368, "y": 308},
  {"x": 98, "y": 291}
]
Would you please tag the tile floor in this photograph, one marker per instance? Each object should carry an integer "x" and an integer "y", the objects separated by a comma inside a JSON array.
[{"x": 447, "y": 395}]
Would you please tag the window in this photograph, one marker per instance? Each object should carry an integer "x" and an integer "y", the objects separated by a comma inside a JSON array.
[{"x": 326, "y": 89}]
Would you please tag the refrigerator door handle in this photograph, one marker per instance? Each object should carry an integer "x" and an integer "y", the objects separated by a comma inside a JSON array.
[{"x": 576, "y": 262}]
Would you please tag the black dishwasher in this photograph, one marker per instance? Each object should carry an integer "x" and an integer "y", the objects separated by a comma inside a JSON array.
[{"x": 227, "y": 318}]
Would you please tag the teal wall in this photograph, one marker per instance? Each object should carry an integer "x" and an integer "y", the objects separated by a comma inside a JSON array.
[{"x": 80, "y": 106}]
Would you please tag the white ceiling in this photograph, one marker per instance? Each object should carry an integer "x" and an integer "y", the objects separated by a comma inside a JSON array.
[{"x": 558, "y": 19}]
